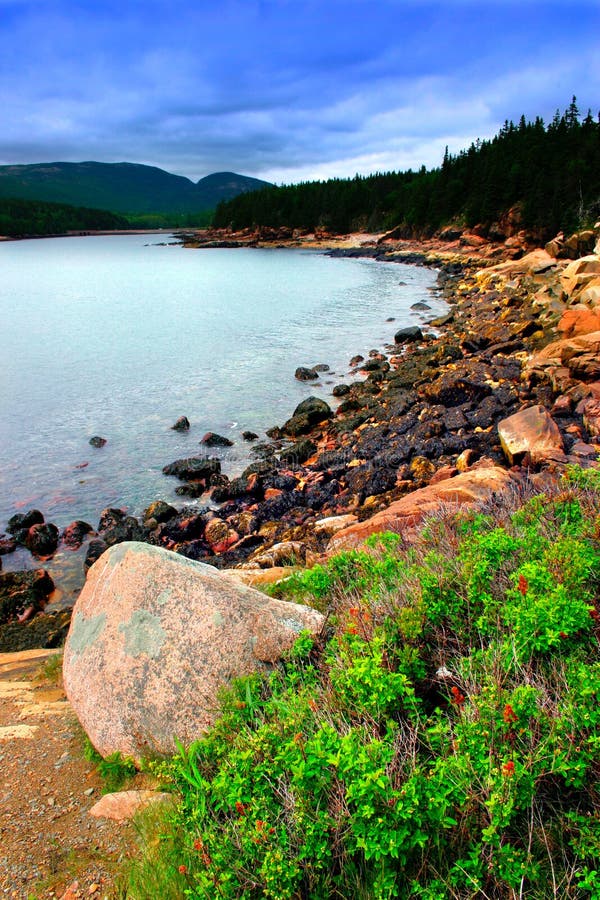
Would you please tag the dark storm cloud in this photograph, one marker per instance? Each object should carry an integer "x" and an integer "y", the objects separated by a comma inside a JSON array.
[{"x": 280, "y": 89}]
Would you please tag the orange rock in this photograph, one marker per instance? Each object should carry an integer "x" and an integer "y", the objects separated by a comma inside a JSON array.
[
  {"x": 271, "y": 493},
  {"x": 531, "y": 432},
  {"x": 404, "y": 516},
  {"x": 579, "y": 320}
]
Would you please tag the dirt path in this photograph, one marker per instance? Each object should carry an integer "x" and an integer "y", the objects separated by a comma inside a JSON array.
[{"x": 50, "y": 847}]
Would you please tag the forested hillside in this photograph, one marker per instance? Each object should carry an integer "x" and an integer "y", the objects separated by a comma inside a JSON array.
[
  {"x": 20, "y": 218},
  {"x": 128, "y": 188},
  {"x": 552, "y": 171}
]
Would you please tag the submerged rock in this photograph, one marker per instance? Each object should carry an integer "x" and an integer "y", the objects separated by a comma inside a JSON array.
[
  {"x": 25, "y": 520},
  {"x": 97, "y": 441},
  {"x": 304, "y": 374},
  {"x": 23, "y": 594},
  {"x": 193, "y": 468},
  {"x": 211, "y": 439},
  {"x": 155, "y": 636},
  {"x": 408, "y": 335},
  {"x": 182, "y": 424},
  {"x": 42, "y": 540}
]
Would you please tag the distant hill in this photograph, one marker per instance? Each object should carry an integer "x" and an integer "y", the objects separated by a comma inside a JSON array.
[
  {"x": 122, "y": 187},
  {"x": 23, "y": 218}
]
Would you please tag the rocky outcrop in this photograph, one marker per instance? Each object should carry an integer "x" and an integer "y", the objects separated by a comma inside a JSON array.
[
  {"x": 404, "y": 516},
  {"x": 22, "y": 594},
  {"x": 530, "y": 437},
  {"x": 182, "y": 424},
  {"x": 154, "y": 637}
]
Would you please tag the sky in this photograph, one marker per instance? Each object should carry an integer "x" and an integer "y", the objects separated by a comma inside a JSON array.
[{"x": 285, "y": 90}]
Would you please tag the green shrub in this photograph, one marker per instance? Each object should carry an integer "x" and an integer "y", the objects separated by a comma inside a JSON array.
[{"x": 443, "y": 741}]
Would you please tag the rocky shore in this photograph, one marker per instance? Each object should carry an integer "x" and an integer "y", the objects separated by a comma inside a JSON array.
[{"x": 508, "y": 381}]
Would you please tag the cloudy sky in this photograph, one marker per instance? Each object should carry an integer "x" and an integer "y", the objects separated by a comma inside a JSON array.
[{"x": 285, "y": 90}]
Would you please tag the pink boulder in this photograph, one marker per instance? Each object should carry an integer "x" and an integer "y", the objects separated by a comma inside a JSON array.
[
  {"x": 404, "y": 516},
  {"x": 153, "y": 638}
]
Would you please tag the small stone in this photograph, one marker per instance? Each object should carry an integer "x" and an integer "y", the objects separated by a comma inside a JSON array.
[
  {"x": 88, "y": 792},
  {"x": 97, "y": 441}
]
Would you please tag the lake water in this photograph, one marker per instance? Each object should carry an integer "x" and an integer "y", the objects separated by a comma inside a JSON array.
[{"x": 111, "y": 336}]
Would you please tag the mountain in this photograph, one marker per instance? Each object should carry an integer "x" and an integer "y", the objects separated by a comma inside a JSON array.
[{"x": 122, "y": 187}]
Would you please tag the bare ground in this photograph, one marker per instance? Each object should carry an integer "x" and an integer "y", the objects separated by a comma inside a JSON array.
[{"x": 50, "y": 846}]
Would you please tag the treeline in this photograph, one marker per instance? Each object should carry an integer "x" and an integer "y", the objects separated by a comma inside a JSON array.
[
  {"x": 24, "y": 218},
  {"x": 552, "y": 172}
]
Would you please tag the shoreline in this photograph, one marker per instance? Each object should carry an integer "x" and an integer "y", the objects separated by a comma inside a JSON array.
[{"x": 427, "y": 409}]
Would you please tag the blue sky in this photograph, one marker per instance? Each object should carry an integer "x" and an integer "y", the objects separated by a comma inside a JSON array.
[{"x": 285, "y": 90}]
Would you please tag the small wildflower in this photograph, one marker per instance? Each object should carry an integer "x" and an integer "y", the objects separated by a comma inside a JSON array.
[
  {"x": 458, "y": 698},
  {"x": 509, "y": 715},
  {"x": 523, "y": 586},
  {"x": 508, "y": 769},
  {"x": 198, "y": 844},
  {"x": 563, "y": 635},
  {"x": 240, "y": 808},
  {"x": 182, "y": 869}
]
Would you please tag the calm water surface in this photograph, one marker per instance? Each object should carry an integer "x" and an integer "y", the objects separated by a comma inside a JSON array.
[{"x": 115, "y": 337}]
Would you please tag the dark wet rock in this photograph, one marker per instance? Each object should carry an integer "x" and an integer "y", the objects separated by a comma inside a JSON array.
[
  {"x": 282, "y": 481},
  {"x": 182, "y": 424},
  {"x": 441, "y": 321},
  {"x": 356, "y": 360},
  {"x": 7, "y": 545},
  {"x": 260, "y": 467},
  {"x": 304, "y": 374},
  {"x": 42, "y": 540},
  {"x": 264, "y": 450},
  {"x": 25, "y": 520},
  {"x": 23, "y": 594},
  {"x": 275, "y": 433},
  {"x": 333, "y": 460},
  {"x": 307, "y": 414},
  {"x": 188, "y": 526},
  {"x": 197, "y": 550},
  {"x": 129, "y": 529},
  {"x": 420, "y": 306},
  {"x": 370, "y": 479},
  {"x": 95, "y": 550},
  {"x": 239, "y": 488},
  {"x": 193, "y": 468},
  {"x": 408, "y": 335},
  {"x": 193, "y": 491},
  {"x": 109, "y": 517},
  {"x": 321, "y": 367},
  {"x": 340, "y": 390},
  {"x": 486, "y": 413},
  {"x": 74, "y": 534},
  {"x": 315, "y": 408},
  {"x": 375, "y": 365},
  {"x": 349, "y": 405},
  {"x": 249, "y": 436},
  {"x": 97, "y": 441},
  {"x": 454, "y": 419},
  {"x": 159, "y": 511},
  {"x": 452, "y": 389},
  {"x": 211, "y": 439},
  {"x": 298, "y": 453},
  {"x": 46, "y": 630}
]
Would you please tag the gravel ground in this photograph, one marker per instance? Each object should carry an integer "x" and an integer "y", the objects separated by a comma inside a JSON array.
[{"x": 50, "y": 847}]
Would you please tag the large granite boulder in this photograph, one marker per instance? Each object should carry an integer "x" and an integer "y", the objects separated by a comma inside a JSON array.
[
  {"x": 405, "y": 516},
  {"x": 531, "y": 433},
  {"x": 154, "y": 636}
]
